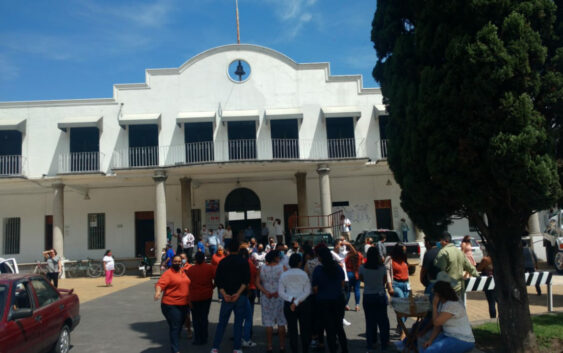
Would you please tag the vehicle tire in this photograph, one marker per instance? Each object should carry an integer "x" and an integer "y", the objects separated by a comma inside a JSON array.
[
  {"x": 119, "y": 269},
  {"x": 94, "y": 270},
  {"x": 549, "y": 253},
  {"x": 63, "y": 343},
  {"x": 144, "y": 272},
  {"x": 558, "y": 261}
]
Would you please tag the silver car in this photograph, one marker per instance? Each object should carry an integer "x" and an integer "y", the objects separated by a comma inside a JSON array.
[{"x": 477, "y": 252}]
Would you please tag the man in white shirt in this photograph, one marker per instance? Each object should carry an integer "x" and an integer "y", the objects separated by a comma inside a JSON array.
[
  {"x": 295, "y": 289},
  {"x": 188, "y": 242},
  {"x": 346, "y": 227}
]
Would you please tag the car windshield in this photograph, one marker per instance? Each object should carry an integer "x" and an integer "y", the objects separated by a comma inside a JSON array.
[
  {"x": 3, "y": 296},
  {"x": 391, "y": 236}
]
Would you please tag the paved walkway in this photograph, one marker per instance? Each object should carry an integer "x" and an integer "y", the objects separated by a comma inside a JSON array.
[{"x": 125, "y": 318}]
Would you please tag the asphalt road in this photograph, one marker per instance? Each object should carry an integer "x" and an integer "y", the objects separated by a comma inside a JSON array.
[{"x": 131, "y": 321}]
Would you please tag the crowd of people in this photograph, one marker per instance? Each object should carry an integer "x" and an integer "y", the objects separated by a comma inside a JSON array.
[{"x": 304, "y": 292}]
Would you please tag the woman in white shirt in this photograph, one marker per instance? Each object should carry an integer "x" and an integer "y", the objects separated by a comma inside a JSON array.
[
  {"x": 295, "y": 289},
  {"x": 452, "y": 330},
  {"x": 109, "y": 266}
]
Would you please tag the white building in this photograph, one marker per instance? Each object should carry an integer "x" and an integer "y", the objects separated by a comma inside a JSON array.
[{"x": 91, "y": 174}]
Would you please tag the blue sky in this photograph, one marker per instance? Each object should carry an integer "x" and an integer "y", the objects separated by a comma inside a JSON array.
[{"x": 78, "y": 49}]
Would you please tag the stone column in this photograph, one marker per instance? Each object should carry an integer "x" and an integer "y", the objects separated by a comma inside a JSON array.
[
  {"x": 326, "y": 201},
  {"x": 159, "y": 216},
  {"x": 534, "y": 225},
  {"x": 419, "y": 234},
  {"x": 302, "y": 205},
  {"x": 58, "y": 218},
  {"x": 186, "y": 199}
]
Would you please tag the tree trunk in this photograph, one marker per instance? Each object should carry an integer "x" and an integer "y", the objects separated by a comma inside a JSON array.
[{"x": 510, "y": 287}]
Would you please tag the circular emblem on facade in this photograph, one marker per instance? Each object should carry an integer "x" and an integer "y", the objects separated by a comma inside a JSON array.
[{"x": 239, "y": 70}]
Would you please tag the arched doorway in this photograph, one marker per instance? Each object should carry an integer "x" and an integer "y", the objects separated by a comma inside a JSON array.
[{"x": 242, "y": 208}]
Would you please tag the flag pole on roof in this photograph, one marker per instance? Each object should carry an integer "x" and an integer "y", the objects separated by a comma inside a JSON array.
[{"x": 238, "y": 28}]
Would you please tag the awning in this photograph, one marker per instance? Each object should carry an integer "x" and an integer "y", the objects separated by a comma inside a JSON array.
[
  {"x": 139, "y": 119},
  {"x": 380, "y": 108},
  {"x": 240, "y": 115},
  {"x": 341, "y": 112},
  {"x": 286, "y": 113},
  {"x": 80, "y": 121},
  {"x": 18, "y": 125},
  {"x": 195, "y": 117}
]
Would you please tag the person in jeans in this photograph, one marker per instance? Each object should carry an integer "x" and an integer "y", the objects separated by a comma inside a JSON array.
[
  {"x": 353, "y": 260},
  {"x": 400, "y": 275},
  {"x": 530, "y": 261},
  {"x": 54, "y": 265},
  {"x": 295, "y": 290},
  {"x": 232, "y": 278},
  {"x": 251, "y": 294},
  {"x": 201, "y": 290},
  {"x": 452, "y": 331},
  {"x": 174, "y": 286},
  {"x": 328, "y": 284},
  {"x": 373, "y": 274}
]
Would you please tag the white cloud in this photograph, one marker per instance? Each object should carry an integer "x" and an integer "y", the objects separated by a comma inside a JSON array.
[
  {"x": 138, "y": 14},
  {"x": 294, "y": 13}
]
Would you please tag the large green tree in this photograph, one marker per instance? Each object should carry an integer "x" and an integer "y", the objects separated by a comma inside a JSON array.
[{"x": 474, "y": 90}]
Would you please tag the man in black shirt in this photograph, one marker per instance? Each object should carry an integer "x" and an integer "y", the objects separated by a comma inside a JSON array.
[
  {"x": 232, "y": 278},
  {"x": 429, "y": 270}
]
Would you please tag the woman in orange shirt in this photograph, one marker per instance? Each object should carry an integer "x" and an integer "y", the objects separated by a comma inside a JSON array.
[
  {"x": 201, "y": 290},
  {"x": 174, "y": 286},
  {"x": 400, "y": 270}
]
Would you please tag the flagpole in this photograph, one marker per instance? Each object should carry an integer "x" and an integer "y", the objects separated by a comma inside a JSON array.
[{"x": 238, "y": 28}]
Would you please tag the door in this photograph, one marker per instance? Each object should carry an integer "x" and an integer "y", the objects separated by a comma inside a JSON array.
[
  {"x": 383, "y": 214},
  {"x": 50, "y": 308},
  {"x": 24, "y": 335},
  {"x": 48, "y": 232},
  {"x": 242, "y": 207},
  {"x": 287, "y": 212},
  {"x": 144, "y": 234}
]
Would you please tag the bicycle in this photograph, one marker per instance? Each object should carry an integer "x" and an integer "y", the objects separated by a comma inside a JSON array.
[{"x": 91, "y": 268}]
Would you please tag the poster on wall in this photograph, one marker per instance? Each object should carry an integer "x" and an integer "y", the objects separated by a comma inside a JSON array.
[{"x": 212, "y": 214}]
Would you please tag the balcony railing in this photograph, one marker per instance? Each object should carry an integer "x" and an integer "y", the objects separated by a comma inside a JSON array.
[
  {"x": 80, "y": 162},
  {"x": 238, "y": 150},
  {"x": 341, "y": 148},
  {"x": 242, "y": 149},
  {"x": 197, "y": 152},
  {"x": 383, "y": 147},
  {"x": 285, "y": 148},
  {"x": 143, "y": 156},
  {"x": 10, "y": 165}
]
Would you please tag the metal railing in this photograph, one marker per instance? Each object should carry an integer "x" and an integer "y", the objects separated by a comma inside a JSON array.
[
  {"x": 80, "y": 162},
  {"x": 238, "y": 150},
  {"x": 341, "y": 148},
  {"x": 383, "y": 147},
  {"x": 285, "y": 148},
  {"x": 143, "y": 156},
  {"x": 11, "y": 165},
  {"x": 242, "y": 149},
  {"x": 197, "y": 152}
]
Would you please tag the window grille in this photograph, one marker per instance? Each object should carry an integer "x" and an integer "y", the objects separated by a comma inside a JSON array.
[
  {"x": 96, "y": 231},
  {"x": 12, "y": 227}
]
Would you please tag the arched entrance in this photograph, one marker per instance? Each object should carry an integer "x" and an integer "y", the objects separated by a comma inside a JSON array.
[{"x": 242, "y": 208}]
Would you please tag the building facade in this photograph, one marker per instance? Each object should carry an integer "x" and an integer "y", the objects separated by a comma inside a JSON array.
[{"x": 239, "y": 135}]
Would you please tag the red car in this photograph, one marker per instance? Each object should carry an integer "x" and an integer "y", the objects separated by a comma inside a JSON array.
[{"x": 34, "y": 315}]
